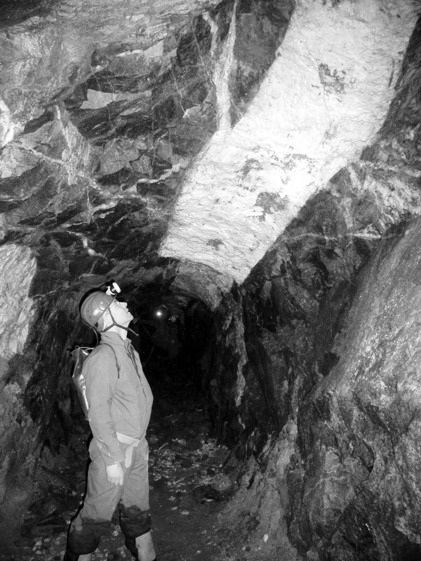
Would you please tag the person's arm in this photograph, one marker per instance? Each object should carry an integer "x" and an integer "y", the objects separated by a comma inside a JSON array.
[{"x": 101, "y": 378}]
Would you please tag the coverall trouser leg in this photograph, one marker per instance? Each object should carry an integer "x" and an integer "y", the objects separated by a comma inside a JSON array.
[{"x": 101, "y": 500}]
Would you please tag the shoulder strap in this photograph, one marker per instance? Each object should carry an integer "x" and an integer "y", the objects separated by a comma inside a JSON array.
[
  {"x": 132, "y": 356},
  {"x": 115, "y": 356}
]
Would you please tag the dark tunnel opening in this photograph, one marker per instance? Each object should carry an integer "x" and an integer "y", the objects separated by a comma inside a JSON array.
[{"x": 173, "y": 337}]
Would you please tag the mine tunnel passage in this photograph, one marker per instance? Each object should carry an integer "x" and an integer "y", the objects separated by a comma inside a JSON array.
[
  {"x": 189, "y": 483},
  {"x": 173, "y": 338}
]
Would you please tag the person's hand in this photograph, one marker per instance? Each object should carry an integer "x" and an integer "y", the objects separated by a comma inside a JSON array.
[{"x": 115, "y": 474}]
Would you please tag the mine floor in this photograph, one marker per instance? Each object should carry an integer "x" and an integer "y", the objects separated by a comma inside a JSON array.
[{"x": 191, "y": 479}]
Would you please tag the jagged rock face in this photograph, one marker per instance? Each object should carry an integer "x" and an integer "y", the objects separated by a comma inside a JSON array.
[
  {"x": 16, "y": 305},
  {"x": 362, "y": 428},
  {"x": 122, "y": 100},
  {"x": 92, "y": 151},
  {"x": 320, "y": 385},
  {"x": 294, "y": 298},
  {"x": 17, "y": 310},
  {"x": 337, "y": 60}
]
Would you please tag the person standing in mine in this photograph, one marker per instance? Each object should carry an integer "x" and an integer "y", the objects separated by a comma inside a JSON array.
[{"x": 120, "y": 403}]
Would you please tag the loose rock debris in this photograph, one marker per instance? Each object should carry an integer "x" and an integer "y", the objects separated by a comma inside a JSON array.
[{"x": 188, "y": 489}]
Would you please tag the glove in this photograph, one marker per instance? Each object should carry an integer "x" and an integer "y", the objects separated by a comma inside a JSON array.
[{"x": 115, "y": 474}]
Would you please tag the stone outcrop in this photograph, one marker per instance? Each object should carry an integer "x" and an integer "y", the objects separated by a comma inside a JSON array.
[
  {"x": 17, "y": 430},
  {"x": 361, "y": 425},
  {"x": 298, "y": 361},
  {"x": 18, "y": 271},
  {"x": 339, "y": 60}
]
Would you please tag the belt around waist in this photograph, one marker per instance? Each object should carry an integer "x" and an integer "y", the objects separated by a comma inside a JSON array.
[{"x": 125, "y": 439}]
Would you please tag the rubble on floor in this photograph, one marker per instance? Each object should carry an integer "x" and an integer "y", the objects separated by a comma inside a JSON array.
[{"x": 189, "y": 487}]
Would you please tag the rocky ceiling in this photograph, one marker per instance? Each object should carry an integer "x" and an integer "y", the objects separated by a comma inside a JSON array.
[
  {"x": 147, "y": 129},
  {"x": 104, "y": 111}
]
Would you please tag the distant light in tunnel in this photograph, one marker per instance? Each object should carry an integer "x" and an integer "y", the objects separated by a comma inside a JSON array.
[{"x": 161, "y": 312}]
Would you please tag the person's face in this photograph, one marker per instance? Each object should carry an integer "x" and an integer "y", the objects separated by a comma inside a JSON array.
[{"x": 121, "y": 313}]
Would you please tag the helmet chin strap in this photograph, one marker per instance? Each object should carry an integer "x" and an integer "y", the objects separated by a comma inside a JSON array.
[{"x": 115, "y": 324}]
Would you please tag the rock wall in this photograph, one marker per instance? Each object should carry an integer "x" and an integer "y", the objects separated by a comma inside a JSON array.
[
  {"x": 17, "y": 430},
  {"x": 327, "y": 391},
  {"x": 360, "y": 427},
  {"x": 18, "y": 271}
]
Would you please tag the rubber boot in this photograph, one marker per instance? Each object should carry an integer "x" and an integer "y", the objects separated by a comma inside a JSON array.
[{"x": 145, "y": 548}]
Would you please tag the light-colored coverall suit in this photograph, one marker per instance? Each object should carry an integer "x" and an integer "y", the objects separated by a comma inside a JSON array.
[{"x": 120, "y": 401}]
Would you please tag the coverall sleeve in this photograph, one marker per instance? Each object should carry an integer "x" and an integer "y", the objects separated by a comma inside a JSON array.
[{"x": 101, "y": 378}]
